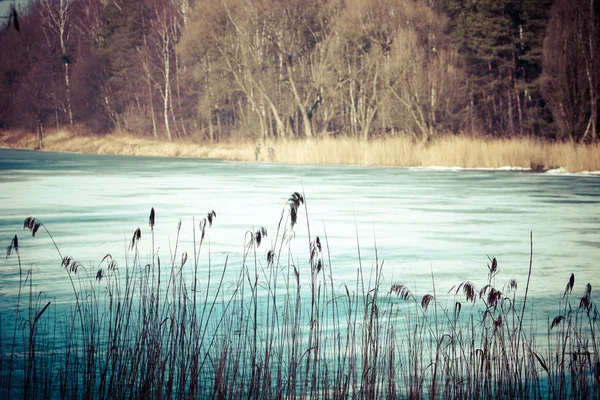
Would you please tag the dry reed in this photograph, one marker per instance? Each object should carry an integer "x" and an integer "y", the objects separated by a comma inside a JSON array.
[
  {"x": 445, "y": 151},
  {"x": 286, "y": 329}
]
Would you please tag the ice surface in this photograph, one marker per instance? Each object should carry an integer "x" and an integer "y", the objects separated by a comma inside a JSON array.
[{"x": 420, "y": 220}]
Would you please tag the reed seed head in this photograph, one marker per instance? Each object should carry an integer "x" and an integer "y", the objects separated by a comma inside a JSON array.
[
  {"x": 468, "y": 288},
  {"x": 426, "y": 300},
  {"x": 315, "y": 254},
  {"x": 586, "y": 301},
  {"x": 271, "y": 257},
  {"x": 70, "y": 264},
  {"x": 511, "y": 285},
  {"x": 32, "y": 225},
  {"x": 112, "y": 264},
  {"x": 13, "y": 247},
  {"x": 569, "y": 287},
  {"x": 137, "y": 235},
  {"x": 202, "y": 229},
  {"x": 151, "y": 219},
  {"x": 319, "y": 266},
  {"x": 295, "y": 200},
  {"x": 210, "y": 216},
  {"x": 557, "y": 320},
  {"x": 400, "y": 290},
  {"x": 457, "y": 308},
  {"x": 493, "y": 296},
  {"x": 258, "y": 236}
]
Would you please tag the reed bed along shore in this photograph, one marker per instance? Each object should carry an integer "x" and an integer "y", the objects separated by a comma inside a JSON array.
[
  {"x": 445, "y": 151},
  {"x": 285, "y": 328}
]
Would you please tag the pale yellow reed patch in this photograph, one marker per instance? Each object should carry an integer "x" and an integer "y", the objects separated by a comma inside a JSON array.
[
  {"x": 446, "y": 151},
  {"x": 450, "y": 151}
]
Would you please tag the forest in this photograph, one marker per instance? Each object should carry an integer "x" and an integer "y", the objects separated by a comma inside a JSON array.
[{"x": 219, "y": 70}]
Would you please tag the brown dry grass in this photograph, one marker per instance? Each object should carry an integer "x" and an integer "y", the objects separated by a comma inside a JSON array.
[
  {"x": 447, "y": 151},
  {"x": 450, "y": 151},
  {"x": 123, "y": 144}
]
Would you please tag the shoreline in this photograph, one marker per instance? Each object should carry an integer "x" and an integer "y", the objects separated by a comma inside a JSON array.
[
  {"x": 507, "y": 168},
  {"x": 443, "y": 153}
]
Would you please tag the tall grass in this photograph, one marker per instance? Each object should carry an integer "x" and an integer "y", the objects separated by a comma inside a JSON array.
[
  {"x": 446, "y": 151},
  {"x": 285, "y": 327}
]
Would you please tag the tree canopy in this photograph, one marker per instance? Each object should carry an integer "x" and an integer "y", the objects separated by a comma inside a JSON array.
[{"x": 253, "y": 69}]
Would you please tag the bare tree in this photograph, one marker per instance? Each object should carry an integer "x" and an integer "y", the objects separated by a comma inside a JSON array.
[
  {"x": 570, "y": 78},
  {"x": 312, "y": 68},
  {"x": 57, "y": 21}
]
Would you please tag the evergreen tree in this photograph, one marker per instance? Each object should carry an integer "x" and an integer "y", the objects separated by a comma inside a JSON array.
[
  {"x": 118, "y": 43},
  {"x": 538, "y": 117},
  {"x": 501, "y": 42}
]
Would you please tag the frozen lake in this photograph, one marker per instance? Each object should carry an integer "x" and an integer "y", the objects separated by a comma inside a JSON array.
[
  {"x": 418, "y": 227},
  {"x": 422, "y": 221}
]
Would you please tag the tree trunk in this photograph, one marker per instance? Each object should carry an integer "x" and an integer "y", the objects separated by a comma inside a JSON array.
[
  {"x": 167, "y": 88},
  {"x": 211, "y": 131},
  {"x": 511, "y": 122},
  {"x": 68, "y": 92},
  {"x": 305, "y": 120},
  {"x": 150, "y": 98},
  {"x": 592, "y": 67},
  {"x": 39, "y": 131},
  {"x": 281, "y": 130},
  {"x": 178, "y": 91},
  {"x": 370, "y": 109},
  {"x": 172, "y": 111}
]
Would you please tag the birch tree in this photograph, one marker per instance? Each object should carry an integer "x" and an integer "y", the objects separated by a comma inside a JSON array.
[{"x": 58, "y": 23}]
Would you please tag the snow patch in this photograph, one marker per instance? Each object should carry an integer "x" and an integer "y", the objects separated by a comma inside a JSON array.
[
  {"x": 565, "y": 172},
  {"x": 441, "y": 168},
  {"x": 560, "y": 170},
  {"x": 553, "y": 171}
]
